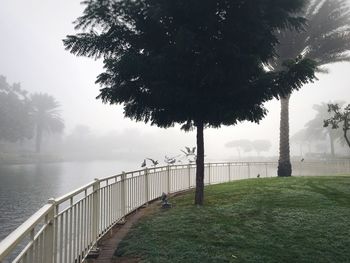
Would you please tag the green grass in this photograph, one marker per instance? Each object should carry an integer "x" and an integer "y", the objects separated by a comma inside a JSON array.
[{"x": 304, "y": 219}]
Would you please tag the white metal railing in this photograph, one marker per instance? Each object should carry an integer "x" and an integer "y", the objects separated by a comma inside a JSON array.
[{"x": 67, "y": 228}]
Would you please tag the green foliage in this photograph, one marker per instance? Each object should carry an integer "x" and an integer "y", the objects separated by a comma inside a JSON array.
[
  {"x": 295, "y": 219},
  {"x": 15, "y": 119},
  {"x": 190, "y": 61},
  {"x": 326, "y": 38},
  {"x": 340, "y": 118}
]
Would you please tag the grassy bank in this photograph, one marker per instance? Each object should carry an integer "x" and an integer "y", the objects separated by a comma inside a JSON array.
[{"x": 304, "y": 219}]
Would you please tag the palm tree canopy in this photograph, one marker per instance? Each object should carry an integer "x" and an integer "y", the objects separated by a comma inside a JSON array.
[
  {"x": 46, "y": 113},
  {"x": 326, "y": 38}
]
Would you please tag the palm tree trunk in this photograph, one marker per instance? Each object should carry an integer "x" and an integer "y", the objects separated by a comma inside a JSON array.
[
  {"x": 346, "y": 137},
  {"x": 38, "y": 137},
  {"x": 346, "y": 128},
  {"x": 199, "y": 195},
  {"x": 284, "y": 165}
]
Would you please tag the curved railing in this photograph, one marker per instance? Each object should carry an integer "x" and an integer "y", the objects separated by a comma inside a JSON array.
[{"x": 67, "y": 228}]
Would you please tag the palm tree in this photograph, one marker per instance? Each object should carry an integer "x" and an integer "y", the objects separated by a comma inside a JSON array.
[
  {"x": 315, "y": 128},
  {"x": 46, "y": 116},
  {"x": 325, "y": 40}
]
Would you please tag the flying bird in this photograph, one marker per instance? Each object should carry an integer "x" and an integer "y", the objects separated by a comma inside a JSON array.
[
  {"x": 170, "y": 160},
  {"x": 154, "y": 162},
  {"x": 302, "y": 159},
  {"x": 189, "y": 151}
]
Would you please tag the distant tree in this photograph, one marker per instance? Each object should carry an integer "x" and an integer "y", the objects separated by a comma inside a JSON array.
[
  {"x": 326, "y": 40},
  {"x": 340, "y": 119},
  {"x": 15, "y": 120},
  {"x": 46, "y": 116},
  {"x": 317, "y": 131},
  {"x": 261, "y": 146},
  {"x": 302, "y": 138},
  {"x": 199, "y": 63},
  {"x": 244, "y": 145}
]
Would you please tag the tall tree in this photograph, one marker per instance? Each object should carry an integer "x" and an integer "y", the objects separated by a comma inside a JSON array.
[
  {"x": 15, "y": 120},
  {"x": 325, "y": 40},
  {"x": 261, "y": 146},
  {"x": 46, "y": 116},
  {"x": 199, "y": 63},
  {"x": 243, "y": 144}
]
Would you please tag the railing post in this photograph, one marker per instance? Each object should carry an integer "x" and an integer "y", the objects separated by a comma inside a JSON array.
[
  {"x": 266, "y": 170},
  {"x": 123, "y": 193},
  {"x": 189, "y": 175},
  {"x": 168, "y": 179},
  {"x": 147, "y": 197},
  {"x": 229, "y": 172},
  {"x": 209, "y": 173},
  {"x": 49, "y": 233},
  {"x": 248, "y": 170},
  {"x": 96, "y": 209}
]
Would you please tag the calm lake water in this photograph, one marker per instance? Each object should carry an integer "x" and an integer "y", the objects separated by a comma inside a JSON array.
[{"x": 25, "y": 188}]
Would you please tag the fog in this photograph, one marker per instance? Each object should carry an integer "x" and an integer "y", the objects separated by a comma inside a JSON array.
[{"x": 32, "y": 53}]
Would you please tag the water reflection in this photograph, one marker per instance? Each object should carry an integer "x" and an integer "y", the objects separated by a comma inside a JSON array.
[{"x": 25, "y": 188}]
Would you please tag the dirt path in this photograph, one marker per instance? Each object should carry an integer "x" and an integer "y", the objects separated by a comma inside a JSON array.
[{"x": 109, "y": 243}]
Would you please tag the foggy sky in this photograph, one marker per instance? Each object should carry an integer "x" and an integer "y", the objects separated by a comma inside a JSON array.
[{"x": 32, "y": 53}]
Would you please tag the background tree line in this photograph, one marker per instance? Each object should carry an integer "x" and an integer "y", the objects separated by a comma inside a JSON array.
[
  {"x": 247, "y": 146},
  {"x": 318, "y": 137},
  {"x": 27, "y": 116}
]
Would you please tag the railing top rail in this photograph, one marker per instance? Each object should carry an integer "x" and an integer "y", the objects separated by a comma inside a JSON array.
[
  {"x": 13, "y": 239},
  {"x": 73, "y": 193}
]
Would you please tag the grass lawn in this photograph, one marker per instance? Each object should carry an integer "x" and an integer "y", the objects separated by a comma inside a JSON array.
[{"x": 298, "y": 219}]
